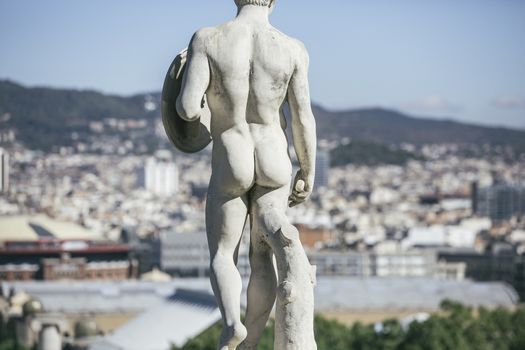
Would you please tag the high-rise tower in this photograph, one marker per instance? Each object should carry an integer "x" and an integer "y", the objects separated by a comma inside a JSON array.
[{"x": 4, "y": 171}]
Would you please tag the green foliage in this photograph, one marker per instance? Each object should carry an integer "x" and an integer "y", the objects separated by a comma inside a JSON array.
[
  {"x": 7, "y": 344},
  {"x": 390, "y": 336},
  {"x": 3, "y": 329},
  {"x": 208, "y": 339},
  {"x": 369, "y": 153},
  {"x": 10, "y": 344},
  {"x": 7, "y": 336},
  {"x": 456, "y": 328},
  {"x": 330, "y": 334}
]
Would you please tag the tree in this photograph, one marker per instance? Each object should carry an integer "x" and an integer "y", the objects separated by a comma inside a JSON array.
[{"x": 456, "y": 327}]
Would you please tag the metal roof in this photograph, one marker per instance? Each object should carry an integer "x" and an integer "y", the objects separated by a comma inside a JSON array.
[
  {"x": 103, "y": 296},
  {"x": 331, "y": 293},
  {"x": 334, "y": 293},
  {"x": 179, "y": 318},
  {"x": 32, "y": 228},
  {"x": 168, "y": 312}
]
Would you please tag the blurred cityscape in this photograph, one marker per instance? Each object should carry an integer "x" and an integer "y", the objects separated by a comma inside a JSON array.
[{"x": 107, "y": 233}]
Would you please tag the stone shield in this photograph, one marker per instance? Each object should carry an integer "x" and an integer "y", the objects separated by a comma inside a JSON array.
[{"x": 188, "y": 137}]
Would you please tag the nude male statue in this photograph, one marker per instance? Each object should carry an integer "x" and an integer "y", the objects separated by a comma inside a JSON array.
[{"x": 247, "y": 69}]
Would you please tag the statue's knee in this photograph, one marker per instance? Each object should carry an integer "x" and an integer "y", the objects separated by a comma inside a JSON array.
[
  {"x": 288, "y": 235},
  {"x": 282, "y": 234},
  {"x": 219, "y": 262}
]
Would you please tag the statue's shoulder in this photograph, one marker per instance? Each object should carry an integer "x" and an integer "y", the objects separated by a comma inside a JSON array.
[
  {"x": 297, "y": 47},
  {"x": 203, "y": 35},
  {"x": 301, "y": 53},
  {"x": 206, "y": 32}
]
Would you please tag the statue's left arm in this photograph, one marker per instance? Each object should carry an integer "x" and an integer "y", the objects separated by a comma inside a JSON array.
[{"x": 196, "y": 79}]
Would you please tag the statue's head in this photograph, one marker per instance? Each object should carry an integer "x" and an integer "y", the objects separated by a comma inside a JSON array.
[{"x": 267, "y": 3}]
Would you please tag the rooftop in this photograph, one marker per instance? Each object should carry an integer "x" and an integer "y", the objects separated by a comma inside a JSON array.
[{"x": 39, "y": 227}]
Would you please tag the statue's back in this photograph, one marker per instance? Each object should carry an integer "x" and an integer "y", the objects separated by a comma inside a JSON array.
[{"x": 251, "y": 66}]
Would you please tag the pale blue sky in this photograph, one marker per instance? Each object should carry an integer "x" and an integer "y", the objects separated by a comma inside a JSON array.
[{"x": 463, "y": 59}]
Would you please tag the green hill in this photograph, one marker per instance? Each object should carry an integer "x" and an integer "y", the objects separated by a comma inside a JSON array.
[
  {"x": 390, "y": 127},
  {"x": 44, "y": 117},
  {"x": 369, "y": 153}
]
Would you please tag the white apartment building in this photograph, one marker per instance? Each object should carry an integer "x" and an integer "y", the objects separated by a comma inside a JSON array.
[
  {"x": 412, "y": 263},
  {"x": 159, "y": 177}
]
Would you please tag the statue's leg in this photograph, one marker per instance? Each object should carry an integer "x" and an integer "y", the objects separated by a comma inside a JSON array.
[
  {"x": 262, "y": 286},
  {"x": 295, "y": 300},
  {"x": 225, "y": 220}
]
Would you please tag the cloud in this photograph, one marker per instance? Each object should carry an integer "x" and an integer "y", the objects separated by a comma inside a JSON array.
[
  {"x": 509, "y": 102},
  {"x": 434, "y": 104}
]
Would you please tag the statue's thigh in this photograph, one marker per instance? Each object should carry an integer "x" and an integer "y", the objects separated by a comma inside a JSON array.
[{"x": 268, "y": 212}]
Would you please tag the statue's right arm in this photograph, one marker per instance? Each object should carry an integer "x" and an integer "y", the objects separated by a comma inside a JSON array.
[
  {"x": 196, "y": 78},
  {"x": 303, "y": 128}
]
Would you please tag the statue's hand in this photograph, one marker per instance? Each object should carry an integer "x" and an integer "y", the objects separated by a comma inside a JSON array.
[{"x": 302, "y": 189}]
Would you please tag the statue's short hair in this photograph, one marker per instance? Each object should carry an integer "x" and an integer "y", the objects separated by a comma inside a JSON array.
[{"x": 241, "y": 3}]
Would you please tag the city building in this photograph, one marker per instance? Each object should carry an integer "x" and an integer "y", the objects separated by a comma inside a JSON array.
[
  {"x": 184, "y": 254},
  {"x": 451, "y": 270},
  {"x": 499, "y": 262},
  {"x": 411, "y": 263},
  {"x": 340, "y": 263},
  {"x": 188, "y": 255},
  {"x": 499, "y": 202},
  {"x": 315, "y": 237},
  {"x": 4, "y": 171},
  {"x": 159, "y": 176},
  {"x": 18, "y": 272},
  {"x": 38, "y": 247},
  {"x": 69, "y": 260},
  {"x": 463, "y": 235},
  {"x": 79, "y": 268},
  {"x": 322, "y": 168},
  {"x": 145, "y": 250},
  {"x": 147, "y": 253}
]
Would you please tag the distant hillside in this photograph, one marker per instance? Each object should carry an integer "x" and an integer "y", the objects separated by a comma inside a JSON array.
[
  {"x": 390, "y": 127},
  {"x": 369, "y": 153},
  {"x": 44, "y": 117}
]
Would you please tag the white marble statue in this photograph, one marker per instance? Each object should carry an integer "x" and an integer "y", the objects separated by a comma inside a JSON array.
[{"x": 244, "y": 71}]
